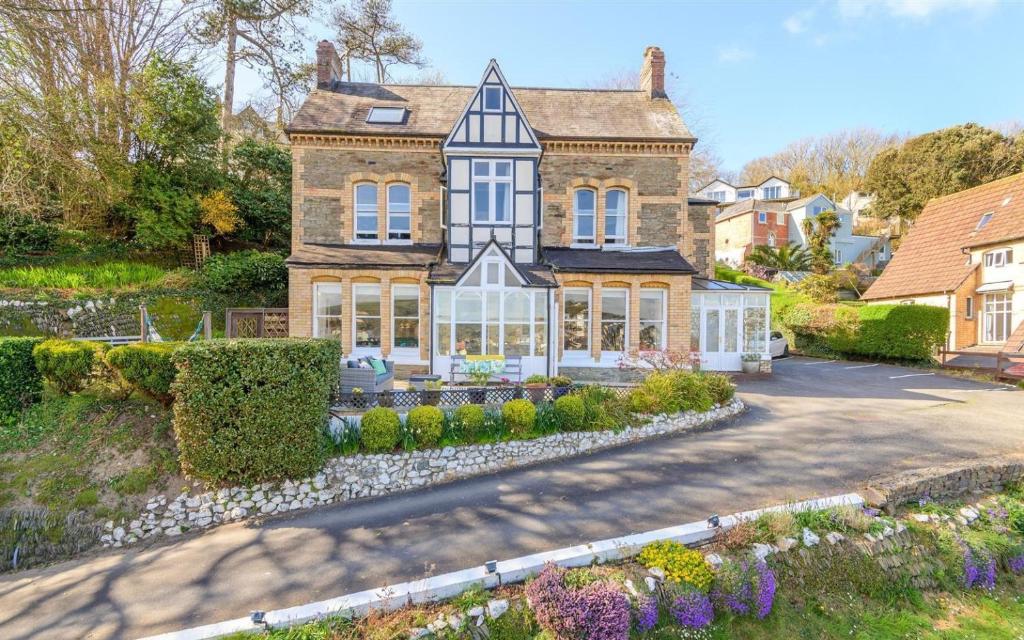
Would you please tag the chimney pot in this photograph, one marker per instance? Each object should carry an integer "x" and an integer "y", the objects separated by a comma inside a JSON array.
[
  {"x": 328, "y": 65},
  {"x": 652, "y": 73}
]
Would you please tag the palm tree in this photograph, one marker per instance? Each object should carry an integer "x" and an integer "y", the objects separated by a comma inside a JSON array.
[{"x": 788, "y": 257}]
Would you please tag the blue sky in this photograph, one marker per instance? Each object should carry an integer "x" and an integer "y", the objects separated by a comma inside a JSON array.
[{"x": 755, "y": 75}]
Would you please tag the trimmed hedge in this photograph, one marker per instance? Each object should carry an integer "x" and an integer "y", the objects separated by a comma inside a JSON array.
[
  {"x": 68, "y": 364},
  {"x": 147, "y": 367},
  {"x": 248, "y": 411},
  {"x": 21, "y": 384},
  {"x": 380, "y": 430},
  {"x": 572, "y": 412},
  {"x": 470, "y": 420},
  {"x": 426, "y": 424},
  {"x": 896, "y": 331},
  {"x": 520, "y": 416}
]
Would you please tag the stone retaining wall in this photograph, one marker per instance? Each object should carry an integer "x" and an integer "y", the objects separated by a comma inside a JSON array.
[
  {"x": 363, "y": 476},
  {"x": 68, "y": 318},
  {"x": 946, "y": 481}
]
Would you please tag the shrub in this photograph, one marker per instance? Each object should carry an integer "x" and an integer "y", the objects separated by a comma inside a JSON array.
[
  {"x": 602, "y": 408},
  {"x": 380, "y": 430},
  {"x": 671, "y": 392},
  {"x": 571, "y": 412},
  {"x": 67, "y": 364},
  {"x": 245, "y": 271},
  {"x": 147, "y": 367},
  {"x": 692, "y": 393},
  {"x": 21, "y": 234},
  {"x": 470, "y": 421},
  {"x": 596, "y": 611},
  {"x": 20, "y": 381},
  {"x": 520, "y": 416},
  {"x": 560, "y": 381},
  {"x": 720, "y": 387},
  {"x": 692, "y": 609},
  {"x": 745, "y": 588},
  {"x": 426, "y": 424},
  {"x": 680, "y": 564},
  {"x": 248, "y": 411},
  {"x": 536, "y": 378}
]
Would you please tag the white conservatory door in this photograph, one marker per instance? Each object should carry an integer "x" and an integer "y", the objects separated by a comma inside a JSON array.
[{"x": 720, "y": 336}]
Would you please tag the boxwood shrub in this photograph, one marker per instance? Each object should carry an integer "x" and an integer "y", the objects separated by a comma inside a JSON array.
[
  {"x": 380, "y": 430},
  {"x": 248, "y": 411},
  {"x": 147, "y": 367},
  {"x": 520, "y": 416},
  {"x": 469, "y": 419},
  {"x": 426, "y": 424},
  {"x": 571, "y": 412},
  {"x": 20, "y": 381},
  {"x": 67, "y": 364}
]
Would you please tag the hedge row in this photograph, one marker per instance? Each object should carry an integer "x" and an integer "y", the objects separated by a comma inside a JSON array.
[
  {"x": 20, "y": 381},
  {"x": 896, "y": 331},
  {"x": 252, "y": 410}
]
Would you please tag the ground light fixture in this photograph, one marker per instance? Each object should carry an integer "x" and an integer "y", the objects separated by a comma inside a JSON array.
[
  {"x": 713, "y": 521},
  {"x": 259, "y": 618},
  {"x": 491, "y": 566}
]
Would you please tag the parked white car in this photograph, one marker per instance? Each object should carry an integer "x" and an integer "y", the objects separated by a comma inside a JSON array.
[{"x": 778, "y": 346}]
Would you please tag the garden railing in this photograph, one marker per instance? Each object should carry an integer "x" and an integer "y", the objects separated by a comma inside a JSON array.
[{"x": 456, "y": 396}]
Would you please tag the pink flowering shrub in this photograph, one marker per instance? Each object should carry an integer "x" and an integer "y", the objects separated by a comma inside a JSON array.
[{"x": 595, "y": 611}]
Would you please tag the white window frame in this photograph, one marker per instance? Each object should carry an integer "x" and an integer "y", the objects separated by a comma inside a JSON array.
[
  {"x": 393, "y": 214},
  {"x": 717, "y": 195},
  {"x": 335, "y": 287},
  {"x": 623, "y": 213},
  {"x": 363, "y": 211},
  {"x": 998, "y": 307},
  {"x": 356, "y": 287},
  {"x": 538, "y": 301},
  {"x": 749, "y": 192},
  {"x": 997, "y": 259},
  {"x": 625, "y": 337},
  {"x": 969, "y": 308},
  {"x": 491, "y": 180},
  {"x": 762, "y": 217},
  {"x": 577, "y": 239},
  {"x": 771, "y": 193},
  {"x": 388, "y": 118},
  {"x": 483, "y": 99},
  {"x": 663, "y": 322},
  {"x": 578, "y": 354},
  {"x": 415, "y": 291},
  {"x": 780, "y": 217}
]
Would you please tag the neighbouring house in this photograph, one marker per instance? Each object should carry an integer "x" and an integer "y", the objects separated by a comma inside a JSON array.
[
  {"x": 965, "y": 252},
  {"x": 248, "y": 123},
  {"x": 847, "y": 247},
  {"x": 747, "y": 224},
  {"x": 771, "y": 189},
  {"x": 552, "y": 225}
]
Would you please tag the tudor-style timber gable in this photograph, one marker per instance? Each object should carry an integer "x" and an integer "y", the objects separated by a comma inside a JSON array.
[{"x": 491, "y": 157}]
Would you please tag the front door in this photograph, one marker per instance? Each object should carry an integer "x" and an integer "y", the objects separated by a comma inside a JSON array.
[{"x": 720, "y": 332}]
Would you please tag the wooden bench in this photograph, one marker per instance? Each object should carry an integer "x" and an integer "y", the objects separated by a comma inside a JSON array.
[{"x": 513, "y": 369}]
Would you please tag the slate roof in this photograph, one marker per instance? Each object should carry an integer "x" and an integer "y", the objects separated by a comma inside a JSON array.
[
  {"x": 359, "y": 255},
  {"x": 930, "y": 259},
  {"x": 625, "y": 261},
  {"x": 433, "y": 110},
  {"x": 747, "y": 206},
  {"x": 537, "y": 275}
]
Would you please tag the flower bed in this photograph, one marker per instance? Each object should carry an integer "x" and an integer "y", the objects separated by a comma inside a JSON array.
[{"x": 365, "y": 475}]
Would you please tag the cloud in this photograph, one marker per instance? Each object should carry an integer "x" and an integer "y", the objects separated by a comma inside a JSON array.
[
  {"x": 734, "y": 54},
  {"x": 797, "y": 23},
  {"x": 913, "y": 9}
]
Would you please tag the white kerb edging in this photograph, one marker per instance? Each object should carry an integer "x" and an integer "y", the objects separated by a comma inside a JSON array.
[{"x": 449, "y": 585}]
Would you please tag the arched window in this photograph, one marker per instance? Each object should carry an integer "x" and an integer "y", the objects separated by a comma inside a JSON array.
[
  {"x": 771, "y": 239},
  {"x": 366, "y": 211},
  {"x": 615, "y": 208},
  {"x": 583, "y": 216},
  {"x": 399, "y": 212}
]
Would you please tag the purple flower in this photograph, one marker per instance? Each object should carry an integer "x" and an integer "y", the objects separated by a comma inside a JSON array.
[
  {"x": 599, "y": 610},
  {"x": 979, "y": 569},
  {"x": 1016, "y": 563},
  {"x": 693, "y": 609},
  {"x": 646, "y": 614},
  {"x": 765, "y": 590},
  {"x": 745, "y": 589},
  {"x": 871, "y": 512}
]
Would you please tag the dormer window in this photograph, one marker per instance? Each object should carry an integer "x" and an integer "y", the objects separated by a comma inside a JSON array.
[
  {"x": 492, "y": 98},
  {"x": 985, "y": 219},
  {"x": 386, "y": 115}
]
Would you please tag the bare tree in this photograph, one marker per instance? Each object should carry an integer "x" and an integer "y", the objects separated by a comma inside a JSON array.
[{"x": 368, "y": 32}]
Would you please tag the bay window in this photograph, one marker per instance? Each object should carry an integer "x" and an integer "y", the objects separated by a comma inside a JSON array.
[
  {"x": 614, "y": 314},
  {"x": 327, "y": 310},
  {"x": 468, "y": 323},
  {"x": 615, "y": 216},
  {"x": 366, "y": 211},
  {"x": 442, "y": 320},
  {"x": 540, "y": 323},
  {"x": 366, "y": 316},
  {"x": 583, "y": 216},
  {"x": 576, "y": 323},
  {"x": 405, "y": 316},
  {"x": 652, "y": 319},
  {"x": 492, "y": 191},
  {"x": 399, "y": 212}
]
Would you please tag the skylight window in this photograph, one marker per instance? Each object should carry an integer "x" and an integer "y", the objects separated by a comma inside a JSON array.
[
  {"x": 386, "y": 115},
  {"x": 985, "y": 219}
]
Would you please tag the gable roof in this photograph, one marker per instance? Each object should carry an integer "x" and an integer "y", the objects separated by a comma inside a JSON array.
[
  {"x": 597, "y": 114},
  {"x": 930, "y": 259},
  {"x": 493, "y": 77},
  {"x": 748, "y": 206},
  {"x": 802, "y": 202}
]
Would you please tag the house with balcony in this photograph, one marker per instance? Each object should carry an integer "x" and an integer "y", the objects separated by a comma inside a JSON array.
[
  {"x": 553, "y": 226},
  {"x": 773, "y": 188},
  {"x": 965, "y": 252}
]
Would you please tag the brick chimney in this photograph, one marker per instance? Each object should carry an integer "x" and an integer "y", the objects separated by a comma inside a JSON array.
[
  {"x": 328, "y": 65},
  {"x": 652, "y": 74}
]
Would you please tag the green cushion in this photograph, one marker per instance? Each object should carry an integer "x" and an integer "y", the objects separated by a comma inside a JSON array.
[{"x": 378, "y": 366}]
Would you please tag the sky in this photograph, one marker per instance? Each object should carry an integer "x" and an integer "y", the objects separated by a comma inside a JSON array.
[{"x": 752, "y": 76}]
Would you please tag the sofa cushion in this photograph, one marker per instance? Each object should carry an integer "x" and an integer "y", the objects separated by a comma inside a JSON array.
[
  {"x": 378, "y": 366},
  {"x": 352, "y": 364}
]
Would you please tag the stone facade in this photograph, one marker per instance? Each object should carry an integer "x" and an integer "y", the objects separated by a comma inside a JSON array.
[
  {"x": 364, "y": 476},
  {"x": 70, "y": 318}
]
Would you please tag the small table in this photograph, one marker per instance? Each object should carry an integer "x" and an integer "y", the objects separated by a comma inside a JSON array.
[{"x": 418, "y": 380}]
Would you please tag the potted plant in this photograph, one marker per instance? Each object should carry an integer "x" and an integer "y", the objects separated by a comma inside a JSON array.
[
  {"x": 750, "y": 362},
  {"x": 536, "y": 387},
  {"x": 357, "y": 398},
  {"x": 561, "y": 384},
  {"x": 431, "y": 394}
]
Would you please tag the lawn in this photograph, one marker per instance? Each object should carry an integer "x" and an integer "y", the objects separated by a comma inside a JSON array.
[{"x": 108, "y": 275}]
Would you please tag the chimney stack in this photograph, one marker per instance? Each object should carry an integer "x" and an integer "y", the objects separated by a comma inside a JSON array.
[
  {"x": 652, "y": 73},
  {"x": 328, "y": 65}
]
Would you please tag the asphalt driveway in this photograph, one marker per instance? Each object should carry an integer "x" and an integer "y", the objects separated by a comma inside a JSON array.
[{"x": 816, "y": 427}]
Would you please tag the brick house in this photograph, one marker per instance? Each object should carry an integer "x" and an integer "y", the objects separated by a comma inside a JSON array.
[
  {"x": 551, "y": 224},
  {"x": 965, "y": 252},
  {"x": 747, "y": 224}
]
